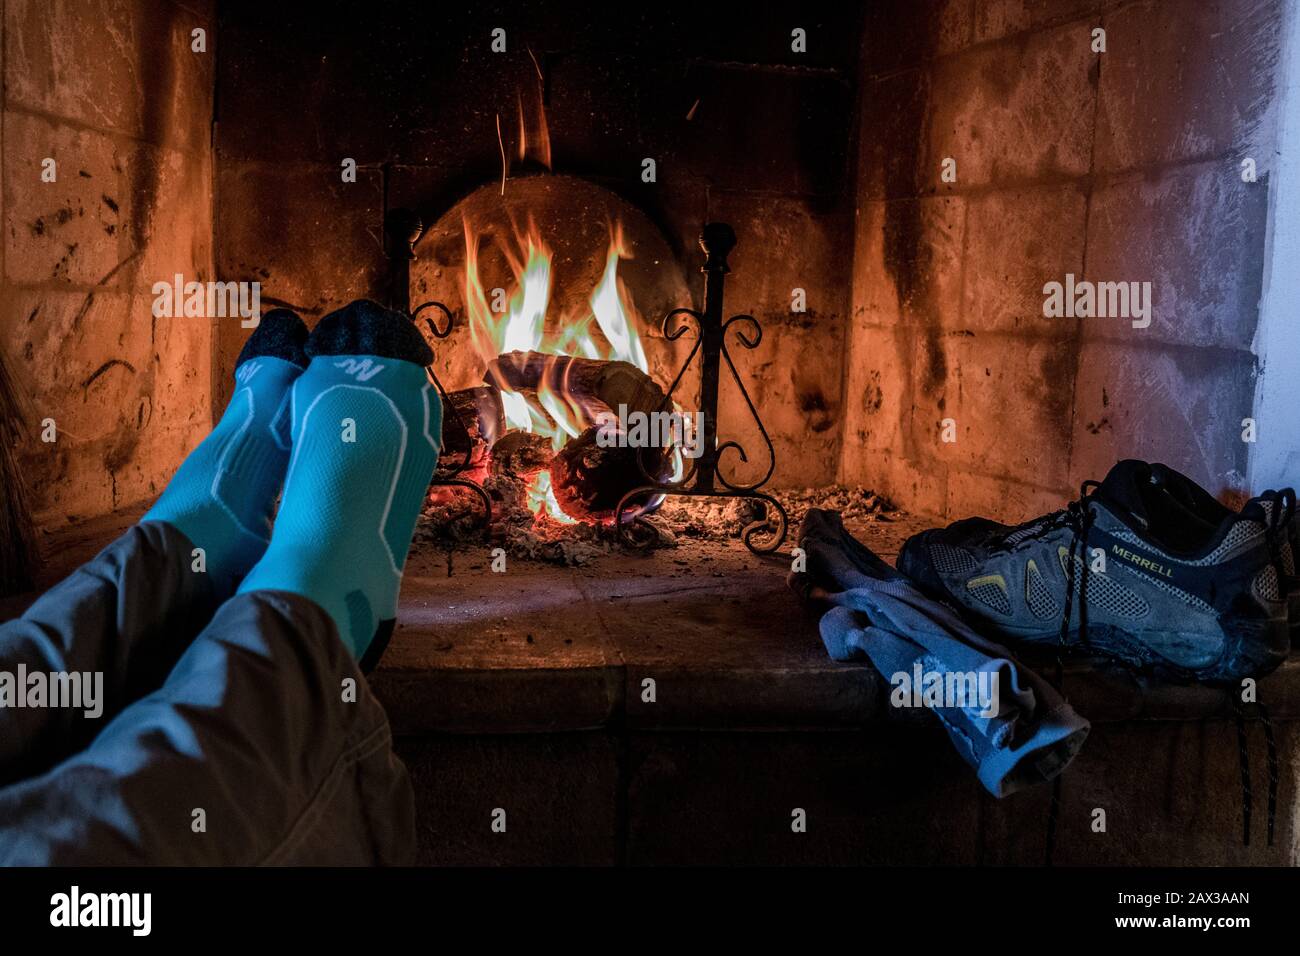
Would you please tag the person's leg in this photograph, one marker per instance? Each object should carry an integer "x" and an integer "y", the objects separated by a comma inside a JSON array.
[
  {"x": 114, "y": 626},
  {"x": 224, "y": 493},
  {"x": 265, "y": 731},
  {"x": 263, "y": 746},
  {"x": 120, "y": 621},
  {"x": 367, "y": 427}
]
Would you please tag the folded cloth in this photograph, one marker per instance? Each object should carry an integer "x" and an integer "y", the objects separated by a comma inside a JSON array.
[{"x": 1012, "y": 726}]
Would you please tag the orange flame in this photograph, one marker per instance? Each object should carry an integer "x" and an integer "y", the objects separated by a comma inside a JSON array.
[
  {"x": 613, "y": 308},
  {"x": 542, "y": 496},
  {"x": 540, "y": 141},
  {"x": 607, "y": 331}
]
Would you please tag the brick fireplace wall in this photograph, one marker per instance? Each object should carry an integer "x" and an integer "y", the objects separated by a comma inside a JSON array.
[
  {"x": 113, "y": 93},
  {"x": 1115, "y": 165},
  {"x": 741, "y": 128}
]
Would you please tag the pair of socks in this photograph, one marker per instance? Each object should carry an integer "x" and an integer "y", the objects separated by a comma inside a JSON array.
[{"x": 345, "y": 419}]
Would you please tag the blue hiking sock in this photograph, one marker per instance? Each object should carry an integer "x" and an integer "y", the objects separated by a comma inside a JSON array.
[
  {"x": 367, "y": 426},
  {"x": 222, "y": 496}
]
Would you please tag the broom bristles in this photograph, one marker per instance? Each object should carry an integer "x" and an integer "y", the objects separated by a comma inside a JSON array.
[{"x": 19, "y": 554}]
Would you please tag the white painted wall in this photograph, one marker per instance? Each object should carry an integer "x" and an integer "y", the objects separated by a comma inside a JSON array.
[{"x": 1274, "y": 459}]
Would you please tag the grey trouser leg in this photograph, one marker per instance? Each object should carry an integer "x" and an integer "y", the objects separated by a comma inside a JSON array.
[
  {"x": 126, "y": 614},
  {"x": 262, "y": 745}
]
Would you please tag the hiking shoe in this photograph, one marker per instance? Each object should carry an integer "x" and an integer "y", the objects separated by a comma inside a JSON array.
[
  {"x": 1151, "y": 583},
  {"x": 1283, "y": 522}
]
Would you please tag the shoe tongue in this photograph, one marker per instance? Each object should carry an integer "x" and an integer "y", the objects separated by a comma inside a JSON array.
[
  {"x": 1151, "y": 497},
  {"x": 1122, "y": 489}
]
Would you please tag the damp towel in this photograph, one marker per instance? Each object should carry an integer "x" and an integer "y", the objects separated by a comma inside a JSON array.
[{"x": 878, "y": 614}]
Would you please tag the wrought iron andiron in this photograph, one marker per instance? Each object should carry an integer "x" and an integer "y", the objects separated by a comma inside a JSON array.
[{"x": 703, "y": 478}]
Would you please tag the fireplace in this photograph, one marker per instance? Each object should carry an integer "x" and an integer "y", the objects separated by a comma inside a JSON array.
[
  {"x": 811, "y": 246},
  {"x": 578, "y": 411}
]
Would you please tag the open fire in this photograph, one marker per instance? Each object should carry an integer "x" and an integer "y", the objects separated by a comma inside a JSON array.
[
  {"x": 571, "y": 433},
  {"x": 605, "y": 331},
  {"x": 556, "y": 358},
  {"x": 559, "y": 375}
]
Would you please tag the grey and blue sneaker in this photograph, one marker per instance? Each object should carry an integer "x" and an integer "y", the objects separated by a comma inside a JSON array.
[
  {"x": 1152, "y": 582},
  {"x": 1200, "y": 507}
]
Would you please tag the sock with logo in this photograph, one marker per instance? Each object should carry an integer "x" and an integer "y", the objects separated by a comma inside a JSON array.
[
  {"x": 366, "y": 431},
  {"x": 222, "y": 496}
]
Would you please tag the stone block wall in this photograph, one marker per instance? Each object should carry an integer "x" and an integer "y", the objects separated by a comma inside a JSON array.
[
  {"x": 924, "y": 296},
  {"x": 1122, "y": 165},
  {"x": 112, "y": 91}
]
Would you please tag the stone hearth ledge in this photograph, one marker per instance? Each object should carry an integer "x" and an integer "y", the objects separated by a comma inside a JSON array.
[{"x": 543, "y": 649}]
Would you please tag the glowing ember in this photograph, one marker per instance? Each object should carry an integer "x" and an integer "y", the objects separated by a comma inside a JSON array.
[{"x": 542, "y": 495}]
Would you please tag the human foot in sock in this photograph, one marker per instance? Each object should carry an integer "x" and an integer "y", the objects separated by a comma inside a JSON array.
[
  {"x": 366, "y": 431},
  {"x": 222, "y": 495}
]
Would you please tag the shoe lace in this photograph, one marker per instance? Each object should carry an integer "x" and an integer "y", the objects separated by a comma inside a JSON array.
[
  {"x": 1279, "y": 517},
  {"x": 1003, "y": 540},
  {"x": 1243, "y": 754},
  {"x": 1078, "y": 516}
]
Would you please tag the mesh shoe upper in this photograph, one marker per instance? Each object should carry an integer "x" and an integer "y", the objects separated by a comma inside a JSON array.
[
  {"x": 1182, "y": 595},
  {"x": 1282, "y": 513}
]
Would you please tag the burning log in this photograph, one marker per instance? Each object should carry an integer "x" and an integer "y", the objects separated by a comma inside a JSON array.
[
  {"x": 592, "y": 385},
  {"x": 479, "y": 410},
  {"x": 588, "y": 479},
  {"x": 522, "y": 453}
]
